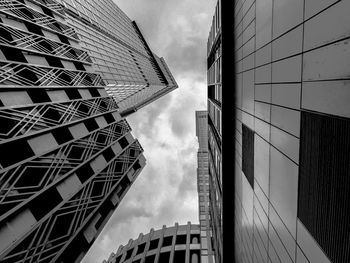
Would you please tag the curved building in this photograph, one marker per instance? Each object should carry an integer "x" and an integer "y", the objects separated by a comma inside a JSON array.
[{"x": 179, "y": 243}]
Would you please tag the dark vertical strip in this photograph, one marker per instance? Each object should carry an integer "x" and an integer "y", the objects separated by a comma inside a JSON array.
[
  {"x": 228, "y": 129},
  {"x": 324, "y": 182},
  {"x": 248, "y": 154}
]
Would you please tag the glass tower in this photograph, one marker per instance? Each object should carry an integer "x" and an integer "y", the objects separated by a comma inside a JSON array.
[
  {"x": 207, "y": 253},
  {"x": 134, "y": 75}
]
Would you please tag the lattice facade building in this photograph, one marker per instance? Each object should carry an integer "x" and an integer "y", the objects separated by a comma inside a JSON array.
[
  {"x": 66, "y": 155},
  {"x": 207, "y": 252},
  {"x": 134, "y": 75},
  {"x": 178, "y": 244}
]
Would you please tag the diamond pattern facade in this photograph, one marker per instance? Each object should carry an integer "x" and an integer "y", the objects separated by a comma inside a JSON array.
[{"x": 67, "y": 157}]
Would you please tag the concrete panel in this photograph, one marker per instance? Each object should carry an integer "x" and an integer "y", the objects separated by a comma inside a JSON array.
[
  {"x": 98, "y": 163},
  {"x": 14, "y": 98},
  {"x": 43, "y": 143},
  {"x": 79, "y": 130},
  {"x": 69, "y": 187}
]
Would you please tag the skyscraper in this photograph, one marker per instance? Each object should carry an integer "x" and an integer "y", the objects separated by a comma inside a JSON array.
[
  {"x": 134, "y": 75},
  {"x": 205, "y": 213},
  {"x": 215, "y": 129},
  {"x": 67, "y": 156},
  {"x": 292, "y": 129},
  {"x": 178, "y": 244}
]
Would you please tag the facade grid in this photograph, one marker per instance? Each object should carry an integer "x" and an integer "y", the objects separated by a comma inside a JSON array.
[
  {"x": 207, "y": 253},
  {"x": 179, "y": 243},
  {"x": 292, "y": 131}
]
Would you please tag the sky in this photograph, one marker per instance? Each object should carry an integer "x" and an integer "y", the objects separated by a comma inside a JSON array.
[{"x": 165, "y": 191}]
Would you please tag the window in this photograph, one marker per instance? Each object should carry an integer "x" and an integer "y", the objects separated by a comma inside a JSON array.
[{"x": 248, "y": 154}]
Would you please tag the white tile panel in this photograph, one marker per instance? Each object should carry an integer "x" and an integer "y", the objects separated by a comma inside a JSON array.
[
  {"x": 288, "y": 45},
  {"x": 263, "y": 92},
  {"x": 286, "y": 143},
  {"x": 324, "y": 28},
  {"x": 312, "y": 7},
  {"x": 263, "y": 22},
  {"x": 261, "y": 164},
  {"x": 287, "y": 95},
  {"x": 286, "y": 15},
  {"x": 263, "y": 74},
  {"x": 263, "y": 55},
  {"x": 330, "y": 97},
  {"x": 329, "y": 62},
  {"x": 287, "y": 70},
  {"x": 286, "y": 119},
  {"x": 309, "y": 246},
  {"x": 284, "y": 188}
]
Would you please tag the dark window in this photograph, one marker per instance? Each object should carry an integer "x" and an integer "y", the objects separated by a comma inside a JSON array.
[
  {"x": 33, "y": 28},
  {"x": 62, "y": 135},
  {"x": 6, "y": 124},
  {"x": 73, "y": 94},
  {"x": 181, "y": 239},
  {"x": 13, "y": 54},
  {"x": 324, "y": 182},
  {"x": 137, "y": 261},
  {"x": 164, "y": 257},
  {"x": 84, "y": 172},
  {"x": 150, "y": 259},
  {"x": 78, "y": 65},
  {"x": 248, "y": 154},
  {"x": 54, "y": 61},
  {"x": 38, "y": 95},
  {"x": 61, "y": 226},
  {"x": 153, "y": 244},
  {"x": 108, "y": 154},
  {"x": 117, "y": 260},
  {"x": 83, "y": 108},
  {"x": 141, "y": 248},
  {"x": 31, "y": 176},
  {"x": 45, "y": 202},
  {"x": 14, "y": 152},
  {"x": 128, "y": 254},
  {"x": 179, "y": 256},
  {"x": 52, "y": 114},
  {"x": 94, "y": 92},
  {"x": 123, "y": 142},
  {"x": 109, "y": 118},
  {"x": 136, "y": 165},
  {"x": 167, "y": 241},
  {"x": 91, "y": 124}
]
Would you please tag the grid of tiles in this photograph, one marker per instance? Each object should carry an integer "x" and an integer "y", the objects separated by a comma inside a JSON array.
[
  {"x": 214, "y": 130},
  {"x": 179, "y": 243},
  {"x": 292, "y": 57},
  {"x": 207, "y": 253},
  {"x": 67, "y": 157}
]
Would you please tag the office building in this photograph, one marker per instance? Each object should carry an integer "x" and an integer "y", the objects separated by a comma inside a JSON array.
[
  {"x": 179, "y": 243},
  {"x": 215, "y": 130},
  {"x": 207, "y": 253},
  {"x": 67, "y": 157},
  {"x": 292, "y": 129},
  {"x": 134, "y": 75}
]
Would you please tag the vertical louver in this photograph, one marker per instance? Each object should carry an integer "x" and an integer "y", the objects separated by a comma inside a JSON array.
[{"x": 324, "y": 182}]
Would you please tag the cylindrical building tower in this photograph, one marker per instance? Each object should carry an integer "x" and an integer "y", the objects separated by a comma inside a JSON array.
[{"x": 176, "y": 244}]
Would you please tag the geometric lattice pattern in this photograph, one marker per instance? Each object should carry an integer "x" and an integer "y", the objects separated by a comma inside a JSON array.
[
  {"x": 32, "y": 118},
  {"x": 67, "y": 157},
  {"x": 53, "y": 233}
]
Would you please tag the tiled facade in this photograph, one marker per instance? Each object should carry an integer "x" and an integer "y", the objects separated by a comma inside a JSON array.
[
  {"x": 176, "y": 244},
  {"x": 67, "y": 157},
  {"x": 207, "y": 253},
  {"x": 133, "y": 74},
  {"x": 292, "y": 137},
  {"x": 215, "y": 130}
]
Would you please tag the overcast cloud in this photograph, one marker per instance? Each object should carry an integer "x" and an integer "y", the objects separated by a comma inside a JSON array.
[{"x": 166, "y": 191}]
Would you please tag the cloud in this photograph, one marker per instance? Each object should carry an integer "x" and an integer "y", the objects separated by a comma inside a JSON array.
[{"x": 166, "y": 190}]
